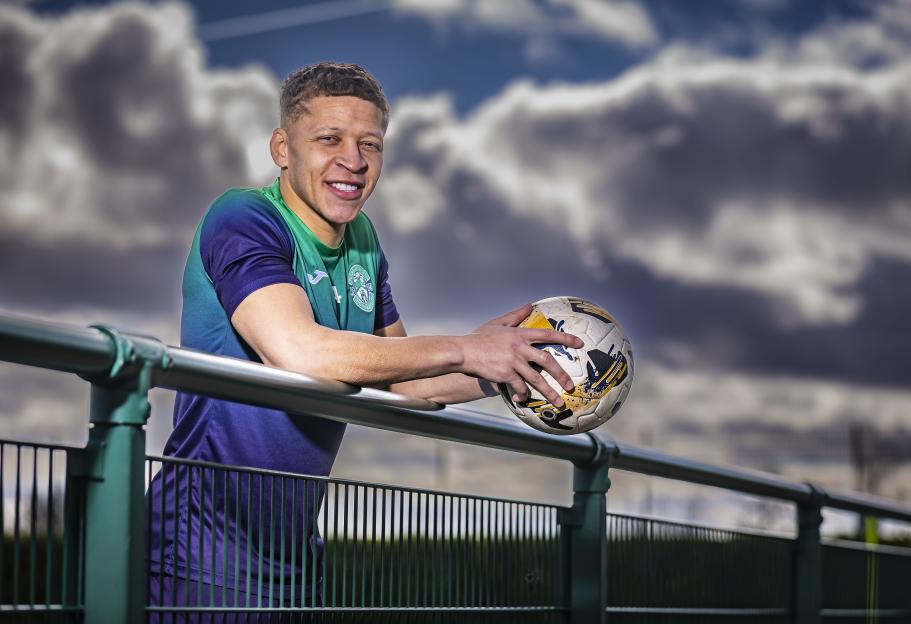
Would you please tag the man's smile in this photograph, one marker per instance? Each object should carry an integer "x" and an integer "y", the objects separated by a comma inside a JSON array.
[{"x": 346, "y": 190}]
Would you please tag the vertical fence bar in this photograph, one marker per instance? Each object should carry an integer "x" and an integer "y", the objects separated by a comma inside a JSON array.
[
  {"x": 17, "y": 503},
  {"x": 113, "y": 465},
  {"x": 807, "y": 596},
  {"x": 49, "y": 529},
  {"x": 585, "y": 526},
  {"x": 33, "y": 533}
]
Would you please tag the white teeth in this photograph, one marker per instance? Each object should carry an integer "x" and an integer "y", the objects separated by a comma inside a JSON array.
[{"x": 344, "y": 187}]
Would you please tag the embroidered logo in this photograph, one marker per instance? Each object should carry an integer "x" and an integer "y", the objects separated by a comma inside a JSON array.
[
  {"x": 316, "y": 277},
  {"x": 360, "y": 287}
]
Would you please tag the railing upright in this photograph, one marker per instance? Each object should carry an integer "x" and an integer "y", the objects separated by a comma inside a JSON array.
[
  {"x": 585, "y": 531},
  {"x": 807, "y": 577},
  {"x": 112, "y": 468}
]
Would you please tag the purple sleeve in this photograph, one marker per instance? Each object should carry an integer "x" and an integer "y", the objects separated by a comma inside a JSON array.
[
  {"x": 244, "y": 248},
  {"x": 386, "y": 313}
]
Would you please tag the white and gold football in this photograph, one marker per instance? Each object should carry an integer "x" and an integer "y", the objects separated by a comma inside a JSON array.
[{"x": 602, "y": 370}]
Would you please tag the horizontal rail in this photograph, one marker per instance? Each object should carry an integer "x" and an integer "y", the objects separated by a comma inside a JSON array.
[
  {"x": 92, "y": 352},
  {"x": 656, "y": 464},
  {"x": 291, "y": 610},
  {"x": 755, "y": 612},
  {"x": 868, "y": 614},
  {"x": 180, "y": 461},
  {"x": 868, "y": 548},
  {"x": 249, "y": 382}
]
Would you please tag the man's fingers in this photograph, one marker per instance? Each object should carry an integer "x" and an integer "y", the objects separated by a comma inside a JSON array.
[
  {"x": 547, "y": 361},
  {"x": 513, "y": 317},
  {"x": 537, "y": 381},
  {"x": 551, "y": 336},
  {"x": 518, "y": 389}
]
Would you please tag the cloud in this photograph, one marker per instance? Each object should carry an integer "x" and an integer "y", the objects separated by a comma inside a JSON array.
[
  {"x": 769, "y": 174},
  {"x": 622, "y": 22},
  {"x": 115, "y": 141}
]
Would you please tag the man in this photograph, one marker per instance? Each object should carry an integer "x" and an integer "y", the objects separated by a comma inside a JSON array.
[{"x": 293, "y": 276}]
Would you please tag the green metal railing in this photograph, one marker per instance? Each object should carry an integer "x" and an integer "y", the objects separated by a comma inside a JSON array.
[
  {"x": 387, "y": 548},
  {"x": 41, "y": 523},
  {"x": 391, "y": 553}
]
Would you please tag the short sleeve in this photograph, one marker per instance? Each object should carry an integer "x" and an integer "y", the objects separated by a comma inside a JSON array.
[
  {"x": 244, "y": 247},
  {"x": 386, "y": 312}
]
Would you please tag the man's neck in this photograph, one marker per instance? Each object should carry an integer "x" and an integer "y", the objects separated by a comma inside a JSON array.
[{"x": 329, "y": 234}]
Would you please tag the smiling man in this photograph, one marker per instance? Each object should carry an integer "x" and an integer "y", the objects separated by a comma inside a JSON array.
[{"x": 292, "y": 275}]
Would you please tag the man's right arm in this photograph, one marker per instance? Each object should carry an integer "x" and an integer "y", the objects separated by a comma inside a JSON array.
[
  {"x": 277, "y": 322},
  {"x": 247, "y": 254}
]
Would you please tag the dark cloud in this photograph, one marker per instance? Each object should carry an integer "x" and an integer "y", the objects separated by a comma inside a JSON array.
[
  {"x": 113, "y": 141},
  {"x": 16, "y": 42},
  {"x": 48, "y": 277},
  {"x": 742, "y": 214},
  {"x": 510, "y": 260}
]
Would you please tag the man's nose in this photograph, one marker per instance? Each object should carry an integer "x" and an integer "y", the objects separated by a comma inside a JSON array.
[{"x": 350, "y": 158}]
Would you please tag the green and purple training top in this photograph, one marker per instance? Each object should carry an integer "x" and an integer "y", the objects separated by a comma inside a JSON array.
[{"x": 249, "y": 239}]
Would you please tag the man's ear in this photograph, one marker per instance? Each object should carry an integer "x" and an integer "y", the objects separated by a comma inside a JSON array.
[{"x": 278, "y": 147}]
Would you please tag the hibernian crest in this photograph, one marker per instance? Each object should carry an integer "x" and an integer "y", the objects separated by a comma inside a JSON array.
[{"x": 360, "y": 287}]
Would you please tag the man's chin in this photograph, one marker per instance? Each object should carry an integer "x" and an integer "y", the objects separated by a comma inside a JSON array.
[{"x": 342, "y": 215}]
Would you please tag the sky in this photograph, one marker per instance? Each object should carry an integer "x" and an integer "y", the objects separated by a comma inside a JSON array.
[{"x": 730, "y": 179}]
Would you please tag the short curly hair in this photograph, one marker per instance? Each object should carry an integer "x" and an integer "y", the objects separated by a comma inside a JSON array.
[{"x": 329, "y": 79}]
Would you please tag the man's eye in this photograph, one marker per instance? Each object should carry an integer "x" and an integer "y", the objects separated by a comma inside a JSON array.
[
  {"x": 374, "y": 146},
  {"x": 328, "y": 139}
]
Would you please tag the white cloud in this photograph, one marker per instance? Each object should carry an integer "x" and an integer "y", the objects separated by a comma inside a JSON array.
[
  {"x": 623, "y": 22},
  {"x": 783, "y": 174},
  {"x": 414, "y": 197},
  {"x": 120, "y": 125},
  {"x": 117, "y": 139}
]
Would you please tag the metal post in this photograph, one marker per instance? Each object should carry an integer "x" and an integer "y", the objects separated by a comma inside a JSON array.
[
  {"x": 112, "y": 466},
  {"x": 807, "y": 598},
  {"x": 585, "y": 526}
]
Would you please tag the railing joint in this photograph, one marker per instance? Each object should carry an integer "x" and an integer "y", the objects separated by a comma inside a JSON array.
[{"x": 124, "y": 357}]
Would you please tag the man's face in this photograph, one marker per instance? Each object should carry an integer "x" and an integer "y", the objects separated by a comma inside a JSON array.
[{"x": 334, "y": 156}]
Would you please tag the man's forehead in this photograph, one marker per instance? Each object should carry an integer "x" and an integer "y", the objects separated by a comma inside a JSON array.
[{"x": 341, "y": 113}]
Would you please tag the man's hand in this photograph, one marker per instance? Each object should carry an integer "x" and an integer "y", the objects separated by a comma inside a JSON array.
[{"x": 501, "y": 352}]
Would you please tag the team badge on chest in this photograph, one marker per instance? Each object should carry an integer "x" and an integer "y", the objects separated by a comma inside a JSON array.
[{"x": 360, "y": 288}]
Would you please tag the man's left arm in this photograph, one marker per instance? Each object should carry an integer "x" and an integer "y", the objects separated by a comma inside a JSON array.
[{"x": 445, "y": 389}]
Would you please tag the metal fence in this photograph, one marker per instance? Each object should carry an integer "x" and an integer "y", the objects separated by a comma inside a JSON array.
[
  {"x": 385, "y": 549},
  {"x": 41, "y": 521},
  {"x": 75, "y": 545}
]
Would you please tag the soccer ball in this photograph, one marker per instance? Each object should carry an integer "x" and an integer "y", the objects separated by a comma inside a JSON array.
[{"x": 602, "y": 369}]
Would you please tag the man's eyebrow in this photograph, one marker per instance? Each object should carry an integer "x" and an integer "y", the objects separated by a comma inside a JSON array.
[{"x": 336, "y": 129}]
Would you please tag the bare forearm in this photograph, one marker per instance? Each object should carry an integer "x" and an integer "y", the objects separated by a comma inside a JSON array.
[
  {"x": 446, "y": 389},
  {"x": 366, "y": 360},
  {"x": 277, "y": 322}
]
